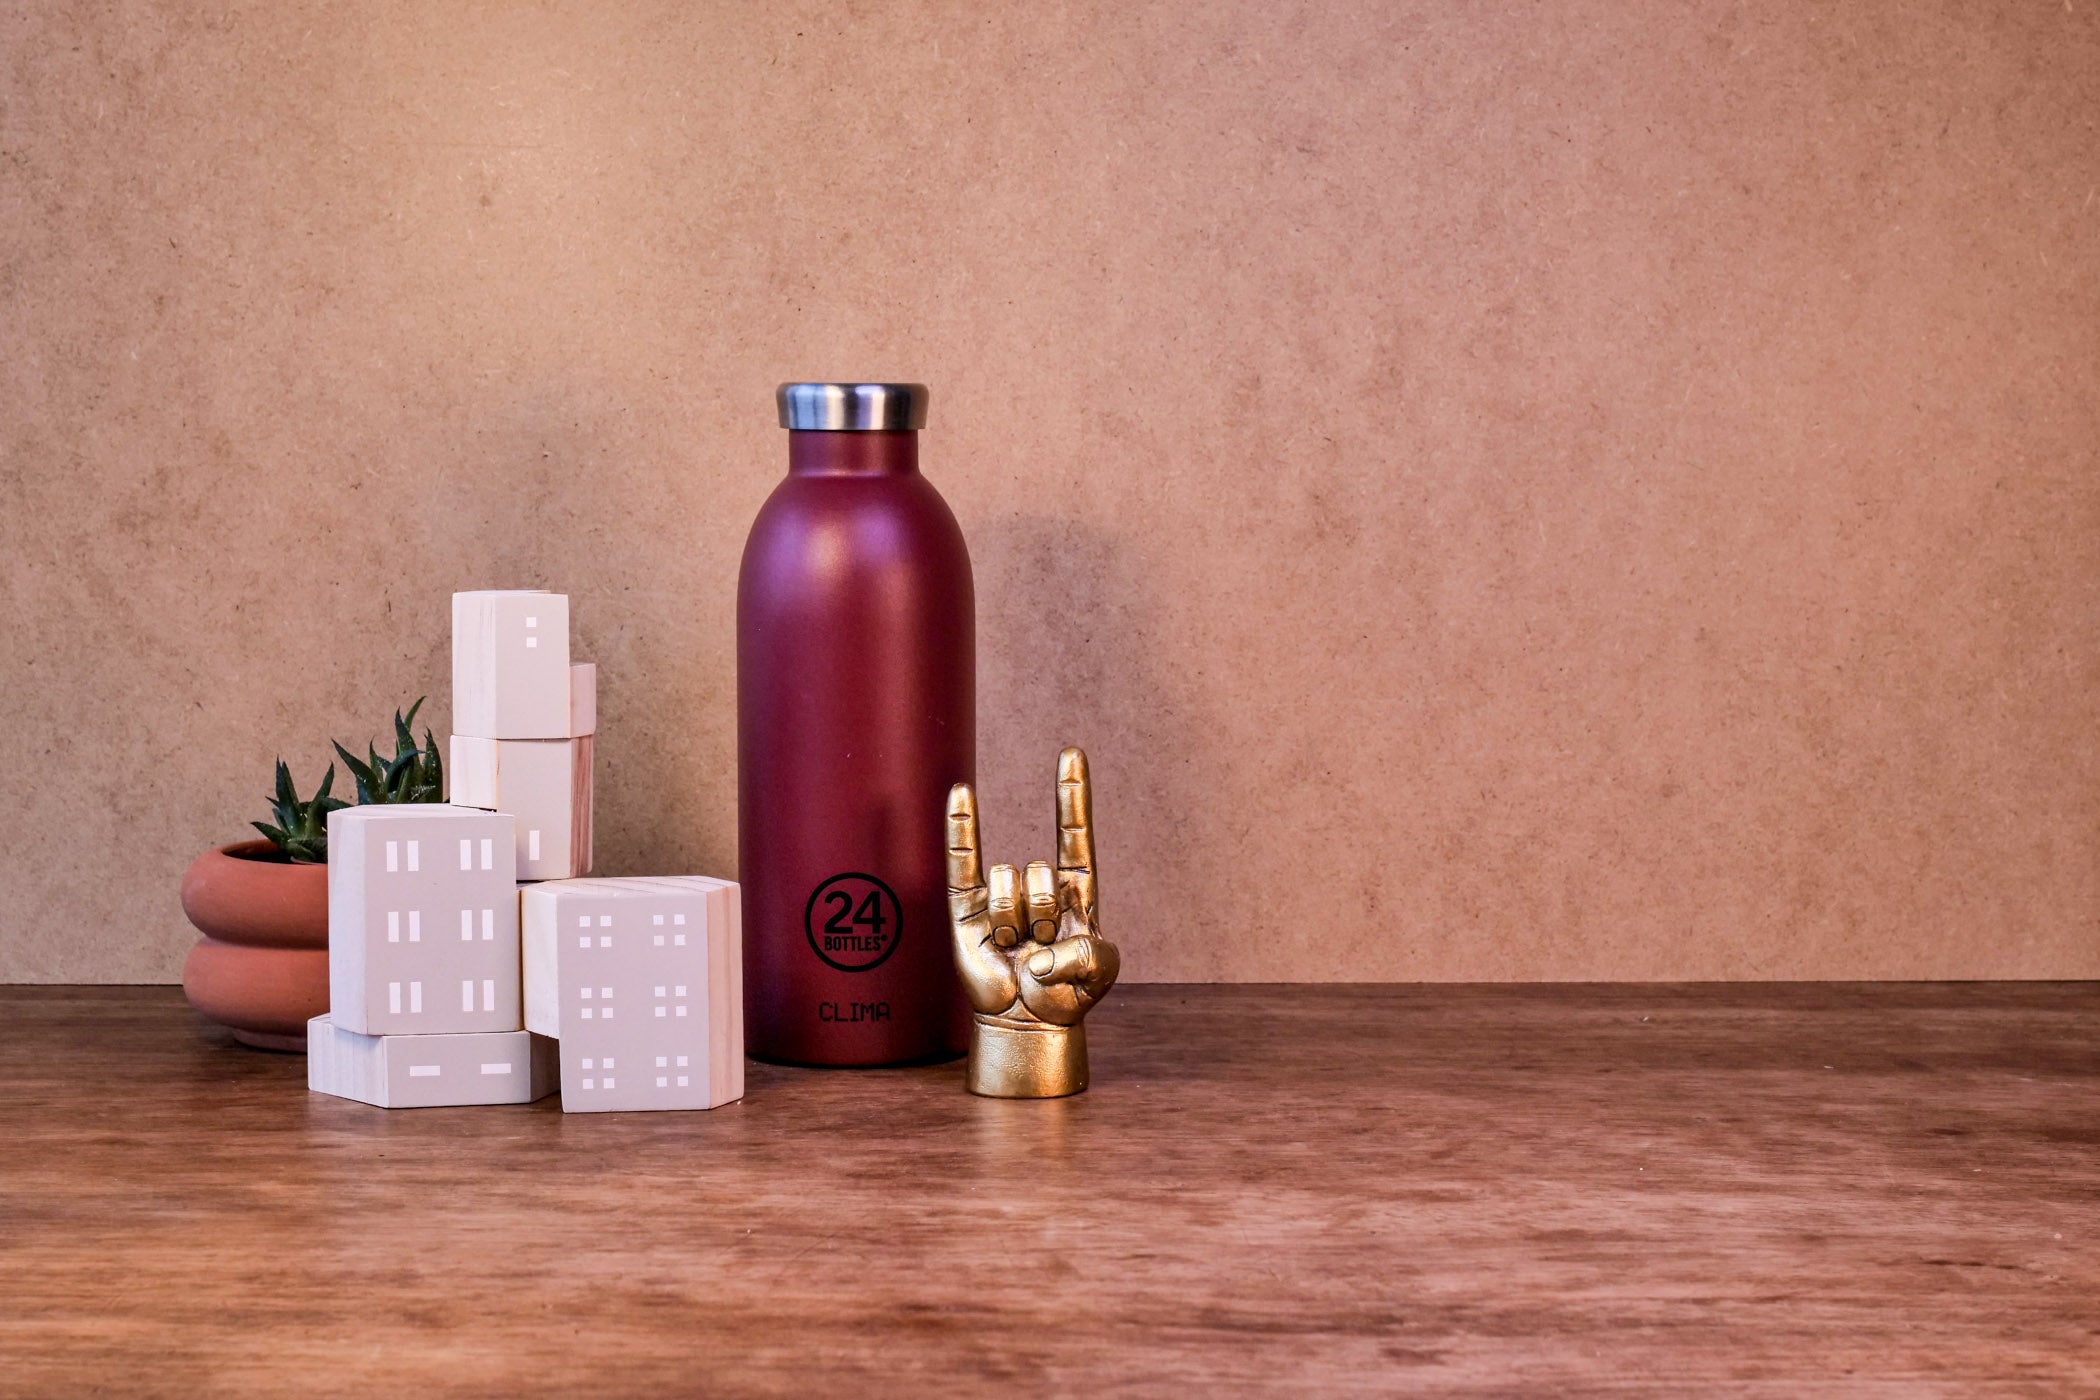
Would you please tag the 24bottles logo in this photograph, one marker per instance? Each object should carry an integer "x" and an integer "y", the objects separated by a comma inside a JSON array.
[{"x": 853, "y": 922}]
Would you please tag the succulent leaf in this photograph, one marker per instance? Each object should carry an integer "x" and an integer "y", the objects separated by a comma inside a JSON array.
[
  {"x": 404, "y": 727},
  {"x": 359, "y": 773},
  {"x": 301, "y": 828}
]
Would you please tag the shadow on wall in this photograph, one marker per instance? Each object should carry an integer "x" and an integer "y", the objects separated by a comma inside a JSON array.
[{"x": 1068, "y": 626}]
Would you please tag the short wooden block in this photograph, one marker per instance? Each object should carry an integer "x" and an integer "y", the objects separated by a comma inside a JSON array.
[
  {"x": 422, "y": 920},
  {"x": 429, "y": 1071},
  {"x": 510, "y": 665},
  {"x": 545, "y": 784},
  {"x": 641, "y": 980}
]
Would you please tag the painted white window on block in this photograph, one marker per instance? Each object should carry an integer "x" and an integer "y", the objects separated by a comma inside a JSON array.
[
  {"x": 393, "y": 856},
  {"x": 466, "y": 853},
  {"x": 415, "y": 855},
  {"x": 466, "y": 926},
  {"x": 422, "y": 1071},
  {"x": 393, "y": 925}
]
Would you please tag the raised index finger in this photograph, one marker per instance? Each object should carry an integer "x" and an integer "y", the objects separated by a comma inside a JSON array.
[
  {"x": 1075, "y": 813},
  {"x": 965, "y": 864}
]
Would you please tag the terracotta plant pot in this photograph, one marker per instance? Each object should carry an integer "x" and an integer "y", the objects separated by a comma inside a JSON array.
[{"x": 261, "y": 968}]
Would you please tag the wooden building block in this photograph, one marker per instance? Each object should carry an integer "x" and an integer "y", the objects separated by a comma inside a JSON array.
[
  {"x": 429, "y": 1071},
  {"x": 510, "y": 665},
  {"x": 545, "y": 784},
  {"x": 726, "y": 1001},
  {"x": 641, "y": 980},
  {"x": 422, "y": 920}
]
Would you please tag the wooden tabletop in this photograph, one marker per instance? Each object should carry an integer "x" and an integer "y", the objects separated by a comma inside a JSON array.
[{"x": 1757, "y": 1190}]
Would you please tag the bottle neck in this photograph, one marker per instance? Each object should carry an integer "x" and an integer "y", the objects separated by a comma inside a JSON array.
[{"x": 853, "y": 454}]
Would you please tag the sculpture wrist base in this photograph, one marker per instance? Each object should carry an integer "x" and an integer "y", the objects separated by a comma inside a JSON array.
[{"x": 1038, "y": 1061}]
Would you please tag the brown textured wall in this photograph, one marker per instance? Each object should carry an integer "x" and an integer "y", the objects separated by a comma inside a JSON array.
[{"x": 1578, "y": 491}]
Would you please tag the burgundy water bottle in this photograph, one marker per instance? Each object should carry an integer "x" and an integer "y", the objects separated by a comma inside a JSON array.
[{"x": 856, "y": 711}]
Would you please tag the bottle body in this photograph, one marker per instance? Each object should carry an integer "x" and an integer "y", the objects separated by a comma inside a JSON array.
[{"x": 856, "y": 711}]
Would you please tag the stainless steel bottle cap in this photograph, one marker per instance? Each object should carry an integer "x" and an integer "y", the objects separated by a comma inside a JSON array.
[{"x": 852, "y": 408}]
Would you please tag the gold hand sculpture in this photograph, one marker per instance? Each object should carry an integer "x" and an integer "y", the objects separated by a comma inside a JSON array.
[{"x": 1030, "y": 950}]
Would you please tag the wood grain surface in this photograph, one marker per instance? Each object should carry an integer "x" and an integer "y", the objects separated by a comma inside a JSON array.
[{"x": 1783, "y": 1190}]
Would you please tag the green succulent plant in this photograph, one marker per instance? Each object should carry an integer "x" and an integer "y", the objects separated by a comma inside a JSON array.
[
  {"x": 301, "y": 831},
  {"x": 413, "y": 774}
]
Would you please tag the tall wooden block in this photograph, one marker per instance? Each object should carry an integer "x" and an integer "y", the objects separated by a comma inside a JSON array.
[
  {"x": 422, "y": 920},
  {"x": 545, "y": 784},
  {"x": 641, "y": 980},
  {"x": 429, "y": 1071},
  {"x": 510, "y": 665}
]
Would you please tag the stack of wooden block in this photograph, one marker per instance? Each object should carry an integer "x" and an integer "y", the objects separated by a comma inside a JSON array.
[
  {"x": 522, "y": 721},
  {"x": 629, "y": 991}
]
